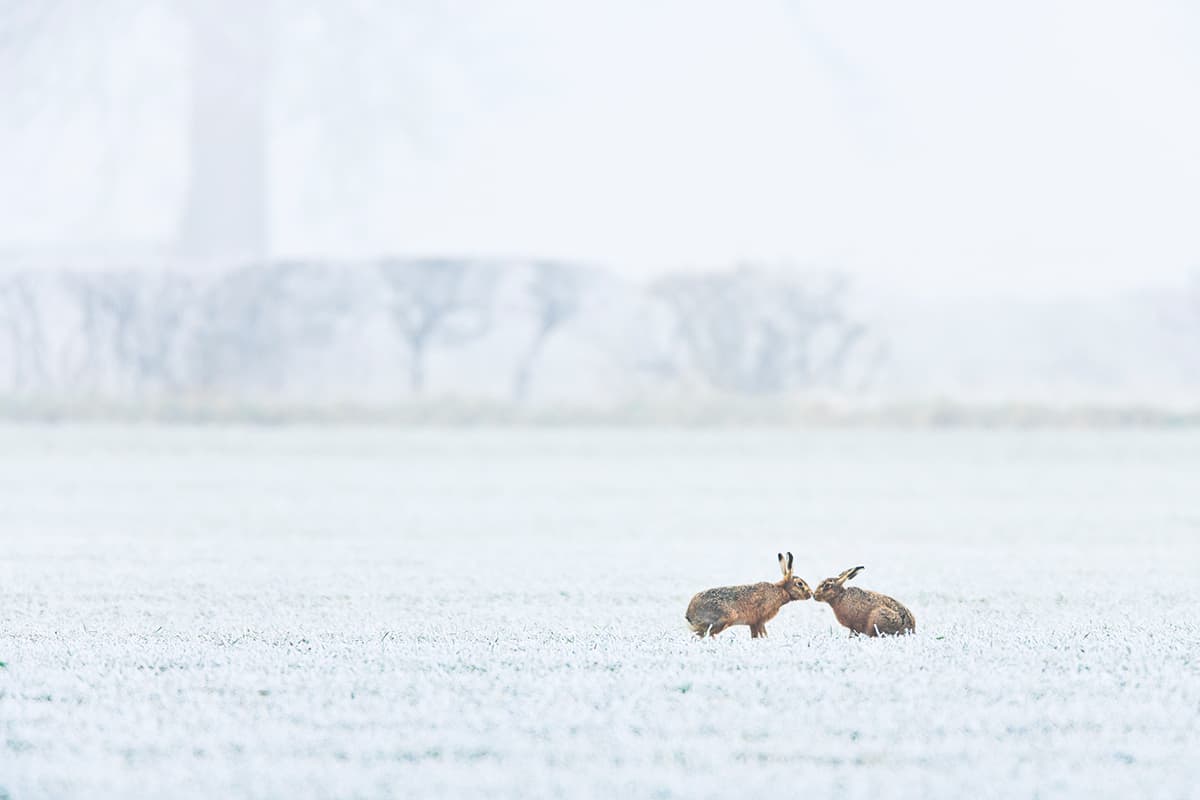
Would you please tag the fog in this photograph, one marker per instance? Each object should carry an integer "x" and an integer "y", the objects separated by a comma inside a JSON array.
[{"x": 1005, "y": 197}]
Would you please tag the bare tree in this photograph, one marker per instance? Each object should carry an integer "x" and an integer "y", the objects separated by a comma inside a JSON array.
[
  {"x": 437, "y": 302},
  {"x": 133, "y": 323},
  {"x": 21, "y": 325},
  {"x": 333, "y": 67},
  {"x": 753, "y": 331},
  {"x": 255, "y": 321},
  {"x": 554, "y": 290},
  {"x": 58, "y": 50}
]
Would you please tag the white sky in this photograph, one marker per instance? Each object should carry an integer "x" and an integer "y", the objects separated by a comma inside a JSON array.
[{"x": 1028, "y": 147}]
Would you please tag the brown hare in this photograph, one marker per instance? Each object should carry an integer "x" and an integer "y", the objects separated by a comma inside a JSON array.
[
  {"x": 714, "y": 610},
  {"x": 868, "y": 613}
]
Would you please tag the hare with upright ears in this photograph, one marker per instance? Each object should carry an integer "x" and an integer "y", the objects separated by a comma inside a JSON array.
[
  {"x": 714, "y": 610},
  {"x": 868, "y": 613}
]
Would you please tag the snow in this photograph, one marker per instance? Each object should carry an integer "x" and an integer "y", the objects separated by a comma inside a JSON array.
[{"x": 356, "y": 612}]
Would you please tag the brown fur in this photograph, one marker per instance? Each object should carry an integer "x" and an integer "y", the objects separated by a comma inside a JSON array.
[
  {"x": 714, "y": 610},
  {"x": 866, "y": 613}
]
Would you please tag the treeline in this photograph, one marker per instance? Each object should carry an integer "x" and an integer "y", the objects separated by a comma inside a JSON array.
[{"x": 410, "y": 330}]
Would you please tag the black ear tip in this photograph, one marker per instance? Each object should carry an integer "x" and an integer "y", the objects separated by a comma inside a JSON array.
[{"x": 781, "y": 556}]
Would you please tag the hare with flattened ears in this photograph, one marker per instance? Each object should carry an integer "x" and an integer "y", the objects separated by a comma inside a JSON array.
[
  {"x": 714, "y": 610},
  {"x": 867, "y": 613}
]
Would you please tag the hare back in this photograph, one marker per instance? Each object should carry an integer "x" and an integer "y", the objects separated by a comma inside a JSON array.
[
  {"x": 736, "y": 605},
  {"x": 855, "y": 607}
]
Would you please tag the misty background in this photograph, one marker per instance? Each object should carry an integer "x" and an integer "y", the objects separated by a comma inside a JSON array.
[{"x": 368, "y": 205}]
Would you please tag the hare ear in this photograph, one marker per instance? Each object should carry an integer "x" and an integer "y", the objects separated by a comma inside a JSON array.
[
  {"x": 783, "y": 567},
  {"x": 848, "y": 574},
  {"x": 789, "y": 567}
]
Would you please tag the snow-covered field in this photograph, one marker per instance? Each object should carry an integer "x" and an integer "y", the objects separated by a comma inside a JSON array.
[{"x": 239, "y": 612}]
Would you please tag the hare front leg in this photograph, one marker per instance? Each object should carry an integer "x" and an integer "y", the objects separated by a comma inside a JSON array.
[{"x": 758, "y": 630}]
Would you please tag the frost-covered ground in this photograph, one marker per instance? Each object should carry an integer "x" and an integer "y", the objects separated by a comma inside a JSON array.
[{"x": 370, "y": 613}]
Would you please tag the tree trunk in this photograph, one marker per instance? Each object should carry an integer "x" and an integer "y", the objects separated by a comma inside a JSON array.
[
  {"x": 225, "y": 210},
  {"x": 524, "y": 376},
  {"x": 416, "y": 367}
]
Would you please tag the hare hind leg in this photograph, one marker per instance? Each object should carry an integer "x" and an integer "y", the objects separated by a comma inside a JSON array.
[
  {"x": 705, "y": 623},
  {"x": 885, "y": 622}
]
